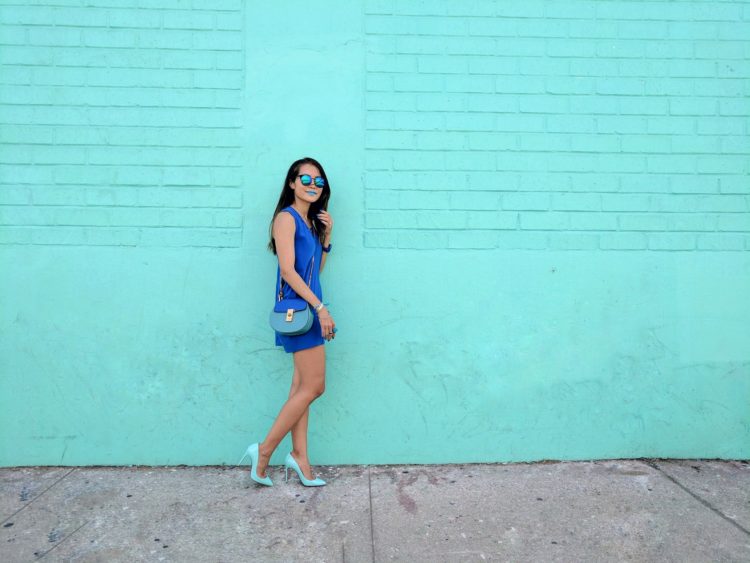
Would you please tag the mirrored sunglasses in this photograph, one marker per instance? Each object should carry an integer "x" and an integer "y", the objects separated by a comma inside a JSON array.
[{"x": 306, "y": 180}]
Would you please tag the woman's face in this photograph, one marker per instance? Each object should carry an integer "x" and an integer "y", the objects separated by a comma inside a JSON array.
[{"x": 311, "y": 192}]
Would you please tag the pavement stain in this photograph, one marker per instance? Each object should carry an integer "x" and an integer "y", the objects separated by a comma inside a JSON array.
[
  {"x": 626, "y": 469},
  {"x": 406, "y": 501},
  {"x": 313, "y": 500},
  {"x": 632, "y": 472}
]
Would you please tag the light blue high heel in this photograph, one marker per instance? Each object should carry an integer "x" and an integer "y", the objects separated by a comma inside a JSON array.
[
  {"x": 252, "y": 451},
  {"x": 291, "y": 463}
]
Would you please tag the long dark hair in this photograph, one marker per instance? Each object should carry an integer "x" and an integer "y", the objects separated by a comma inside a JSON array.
[{"x": 287, "y": 198}]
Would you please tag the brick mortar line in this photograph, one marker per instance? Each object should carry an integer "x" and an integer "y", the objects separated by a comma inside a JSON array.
[
  {"x": 502, "y": 191},
  {"x": 123, "y": 227},
  {"x": 202, "y": 187},
  {"x": 498, "y": 229},
  {"x": 83, "y": 28},
  {"x": 133, "y": 245},
  {"x": 144, "y": 126},
  {"x": 488, "y": 151},
  {"x": 139, "y": 165},
  {"x": 541, "y": 19},
  {"x": 145, "y": 49},
  {"x": 137, "y": 206},
  {"x": 134, "y": 9},
  {"x": 111, "y": 106}
]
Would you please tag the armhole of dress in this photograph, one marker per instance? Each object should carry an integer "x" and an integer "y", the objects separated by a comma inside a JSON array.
[{"x": 294, "y": 235}]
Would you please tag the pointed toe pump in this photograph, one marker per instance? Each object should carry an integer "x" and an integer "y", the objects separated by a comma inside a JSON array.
[
  {"x": 291, "y": 463},
  {"x": 252, "y": 451}
]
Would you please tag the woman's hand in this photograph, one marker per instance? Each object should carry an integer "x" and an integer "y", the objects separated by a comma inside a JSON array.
[
  {"x": 327, "y": 220},
  {"x": 326, "y": 324}
]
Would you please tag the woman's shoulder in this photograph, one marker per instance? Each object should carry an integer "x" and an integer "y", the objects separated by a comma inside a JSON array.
[
  {"x": 287, "y": 211},
  {"x": 285, "y": 219}
]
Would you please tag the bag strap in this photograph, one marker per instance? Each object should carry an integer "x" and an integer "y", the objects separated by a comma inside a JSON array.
[{"x": 282, "y": 281}]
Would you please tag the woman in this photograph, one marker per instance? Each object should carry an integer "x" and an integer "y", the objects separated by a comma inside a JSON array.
[{"x": 301, "y": 238}]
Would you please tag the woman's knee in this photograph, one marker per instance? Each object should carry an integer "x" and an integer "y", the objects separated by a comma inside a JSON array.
[
  {"x": 310, "y": 365},
  {"x": 313, "y": 389},
  {"x": 316, "y": 388}
]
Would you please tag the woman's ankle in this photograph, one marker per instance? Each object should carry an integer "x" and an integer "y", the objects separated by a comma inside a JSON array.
[{"x": 263, "y": 450}]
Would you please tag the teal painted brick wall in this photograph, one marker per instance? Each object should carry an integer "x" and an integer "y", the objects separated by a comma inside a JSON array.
[
  {"x": 568, "y": 126},
  {"x": 121, "y": 124},
  {"x": 541, "y": 246}
]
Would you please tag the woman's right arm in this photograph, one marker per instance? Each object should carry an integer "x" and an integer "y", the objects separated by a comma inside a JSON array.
[{"x": 283, "y": 234}]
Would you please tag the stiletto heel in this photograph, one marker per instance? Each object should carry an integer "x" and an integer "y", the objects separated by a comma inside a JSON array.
[
  {"x": 291, "y": 463},
  {"x": 252, "y": 451}
]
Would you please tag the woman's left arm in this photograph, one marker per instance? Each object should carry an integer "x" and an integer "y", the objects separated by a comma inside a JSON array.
[{"x": 327, "y": 220}]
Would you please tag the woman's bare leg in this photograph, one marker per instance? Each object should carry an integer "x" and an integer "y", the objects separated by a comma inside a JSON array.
[
  {"x": 311, "y": 367},
  {"x": 299, "y": 434}
]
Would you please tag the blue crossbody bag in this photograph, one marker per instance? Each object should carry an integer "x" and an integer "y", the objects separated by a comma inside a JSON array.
[{"x": 291, "y": 315}]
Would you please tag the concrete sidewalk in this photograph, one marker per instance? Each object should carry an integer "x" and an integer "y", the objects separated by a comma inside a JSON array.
[{"x": 615, "y": 510}]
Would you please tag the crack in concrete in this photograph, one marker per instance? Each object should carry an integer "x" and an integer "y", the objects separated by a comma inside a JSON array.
[
  {"x": 71, "y": 534},
  {"x": 25, "y": 506},
  {"x": 699, "y": 499}
]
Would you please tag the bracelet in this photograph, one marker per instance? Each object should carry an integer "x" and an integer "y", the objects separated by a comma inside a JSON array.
[
  {"x": 328, "y": 248},
  {"x": 318, "y": 307}
]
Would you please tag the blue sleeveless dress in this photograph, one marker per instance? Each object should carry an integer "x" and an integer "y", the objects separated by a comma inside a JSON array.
[{"x": 306, "y": 245}]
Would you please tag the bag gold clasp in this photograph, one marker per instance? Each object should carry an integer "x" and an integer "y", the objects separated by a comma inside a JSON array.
[{"x": 289, "y": 315}]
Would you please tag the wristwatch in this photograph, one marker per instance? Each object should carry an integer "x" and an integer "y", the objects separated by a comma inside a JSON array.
[{"x": 327, "y": 248}]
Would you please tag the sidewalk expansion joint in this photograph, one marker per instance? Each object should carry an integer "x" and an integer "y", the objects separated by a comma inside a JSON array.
[
  {"x": 699, "y": 499},
  {"x": 372, "y": 527}
]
